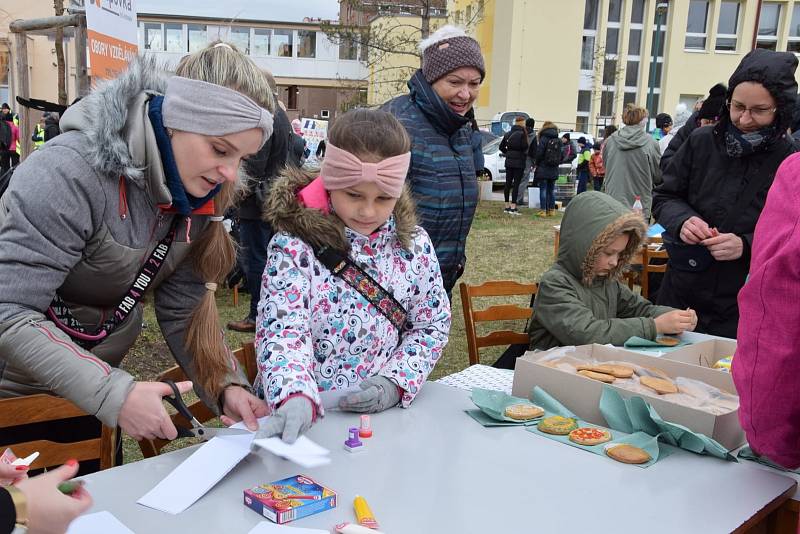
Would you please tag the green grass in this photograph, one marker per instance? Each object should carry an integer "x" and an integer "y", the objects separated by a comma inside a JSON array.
[{"x": 499, "y": 247}]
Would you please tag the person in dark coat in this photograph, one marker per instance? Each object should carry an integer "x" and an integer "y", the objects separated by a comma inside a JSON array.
[
  {"x": 708, "y": 114},
  {"x": 514, "y": 146},
  {"x": 530, "y": 127},
  {"x": 254, "y": 232},
  {"x": 442, "y": 172},
  {"x": 51, "y": 128},
  {"x": 546, "y": 172},
  {"x": 297, "y": 148},
  {"x": 477, "y": 143},
  {"x": 708, "y": 178}
]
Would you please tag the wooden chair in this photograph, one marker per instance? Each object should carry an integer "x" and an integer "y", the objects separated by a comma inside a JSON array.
[
  {"x": 44, "y": 408},
  {"x": 504, "y": 312},
  {"x": 648, "y": 267},
  {"x": 246, "y": 355}
]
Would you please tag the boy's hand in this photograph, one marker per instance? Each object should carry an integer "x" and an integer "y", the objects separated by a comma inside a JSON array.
[{"x": 676, "y": 322}]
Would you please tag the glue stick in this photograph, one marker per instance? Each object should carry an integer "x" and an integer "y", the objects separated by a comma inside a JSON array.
[{"x": 364, "y": 515}]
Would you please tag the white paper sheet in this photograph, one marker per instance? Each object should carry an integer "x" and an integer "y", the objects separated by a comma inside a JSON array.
[
  {"x": 266, "y": 527},
  {"x": 303, "y": 452},
  {"x": 197, "y": 474},
  {"x": 98, "y": 523}
]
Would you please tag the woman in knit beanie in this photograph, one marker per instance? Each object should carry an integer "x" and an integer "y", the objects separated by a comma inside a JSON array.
[{"x": 442, "y": 174}]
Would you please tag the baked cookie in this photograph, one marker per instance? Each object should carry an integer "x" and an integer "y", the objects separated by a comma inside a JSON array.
[
  {"x": 523, "y": 412},
  {"x": 617, "y": 371},
  {"x": 627, "y": 454},
  {"x": 659, "y": 385},
  {"x": 594, "y": 375},
  {"x": 667, "y": 341},
  {"x": 555, "y": 424},
  {"x": 589, "y": 436}
]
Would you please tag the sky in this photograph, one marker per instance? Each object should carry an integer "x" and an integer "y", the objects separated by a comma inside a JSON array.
[{"x": 271, "y": 10}]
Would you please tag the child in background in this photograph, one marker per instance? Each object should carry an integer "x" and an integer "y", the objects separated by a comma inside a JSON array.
[
  {"x": 596, "y": 168},
  {"x": 317, "y": 332},
  {"x": 584, "y": 155},
  {"x": 580, "y": 300}
]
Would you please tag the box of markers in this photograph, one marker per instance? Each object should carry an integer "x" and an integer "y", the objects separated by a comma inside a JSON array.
[{"x": 289, "y": 499}]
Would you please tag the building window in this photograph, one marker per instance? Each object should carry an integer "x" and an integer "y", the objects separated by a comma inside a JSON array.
[
  {"x": 610, "y": 72},
  {"x": 261, "y": 41},
  {"x": 728, "y": 28},
  {"x": 632, "y": 74},
  {"x": 240, "y": 37},
  {"x": 174, "y": 37},
  {"x": 581, "y": 124},
  {"x": 768, "y": 24},
  {"x": 614, "y": 10},
  {"x": 587, "y": 52},
  {"x": 306, "y": 43},
  {"x": 637, "y": 12},
  {"x": 635, "y": 43},
  {"x": 153, "y": 36},
  {"x": 196, "y": 34},
  {"x": 348, "y": 49},
  {"x": 282, "y": 42},
  {"x": 662, "y": 36},
  {"x": 607, "y": 103},
  {"x": 696, "y": 25},
  {"x": 584, "y": 100},
  {"x": 628, "y": 98},
  {"x": 291, "y": 97},
  {"x": 612, "y": 41},
  {"x": 794, "y": 31},
  {"x": 590, "y": 15}
]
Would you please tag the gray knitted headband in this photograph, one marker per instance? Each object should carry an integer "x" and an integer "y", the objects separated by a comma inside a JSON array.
[{"x": 211, "y": 109}]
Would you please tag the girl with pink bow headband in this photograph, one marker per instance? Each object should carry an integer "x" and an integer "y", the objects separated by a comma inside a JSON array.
[{"x": 352, "y": 295}]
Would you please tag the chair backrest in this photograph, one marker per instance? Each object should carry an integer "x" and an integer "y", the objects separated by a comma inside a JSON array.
[
  {"x": 246, "y": 356},
  {"x": 648, "y": 267},
  {"x": 45, "y": 408},
  {"x": 503, "y": 312}
]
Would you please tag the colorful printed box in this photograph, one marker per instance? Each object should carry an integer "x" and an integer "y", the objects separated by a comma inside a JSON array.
[{"x": 289, "y": 499}]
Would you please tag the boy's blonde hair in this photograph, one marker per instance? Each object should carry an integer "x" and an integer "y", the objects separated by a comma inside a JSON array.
[{"x": 633, "y": 114}]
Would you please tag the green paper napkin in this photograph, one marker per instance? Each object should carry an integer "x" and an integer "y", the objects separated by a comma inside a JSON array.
[
  {"x": 493, "y": 404},
  {"x": 640, "y": 343},
  {"x": 746, "y": 453},
  {"x": 489, "y": 421}
]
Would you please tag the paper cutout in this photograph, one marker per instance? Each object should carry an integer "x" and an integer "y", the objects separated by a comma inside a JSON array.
[
  {"x": 98, "y": 523},
  {"x": 303, "y": 452},
  {"x": 266, "y": 527}
]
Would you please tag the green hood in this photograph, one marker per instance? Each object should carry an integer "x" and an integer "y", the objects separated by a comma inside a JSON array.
[
  {"x": 632, "y": 137},
  {"x": 592, "y": 221}
]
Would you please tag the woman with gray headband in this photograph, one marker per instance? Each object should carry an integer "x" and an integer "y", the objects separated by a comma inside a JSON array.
[{"x": 129, "y": 201}]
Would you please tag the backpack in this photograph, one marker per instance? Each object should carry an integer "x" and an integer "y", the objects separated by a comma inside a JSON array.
[
  {"x": 5, "y": 135},
  {"x": 552, "y": 153}
]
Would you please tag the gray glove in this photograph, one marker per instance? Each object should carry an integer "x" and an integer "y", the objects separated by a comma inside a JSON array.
[
  {"x": 379, "y": 394},
  {"x": 293, "y": 418}
]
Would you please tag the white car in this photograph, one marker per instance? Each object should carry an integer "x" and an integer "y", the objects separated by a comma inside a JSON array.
[{"x": 494, "y": 163}]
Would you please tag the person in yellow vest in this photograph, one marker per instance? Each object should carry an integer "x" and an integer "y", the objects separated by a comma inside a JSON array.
[{"x": 38, "y": 134}]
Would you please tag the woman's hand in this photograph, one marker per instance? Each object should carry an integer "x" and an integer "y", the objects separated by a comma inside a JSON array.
[
  {"x": 11, "y": 474},
  {"x": 238, "y": 404},
  {"x": 49, "y": 510},
  {"x": 676, "y": 322},
  {"x": 725, "y": 247},
  {"x": 695, "y": 230},
  {"x": 143, "y": 415}
]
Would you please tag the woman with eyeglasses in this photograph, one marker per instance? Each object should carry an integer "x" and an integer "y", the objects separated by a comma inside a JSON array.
[{"x": 715, "y": 187}]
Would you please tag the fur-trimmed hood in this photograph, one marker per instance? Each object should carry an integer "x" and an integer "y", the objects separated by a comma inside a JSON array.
[
  {"x": 591, "y": 222},
  {"x": 285, "y": 213},
  {"x": 120, "y": 138}
]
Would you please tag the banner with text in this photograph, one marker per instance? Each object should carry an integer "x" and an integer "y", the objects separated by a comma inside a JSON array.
[{"x": 112, "y": 36}]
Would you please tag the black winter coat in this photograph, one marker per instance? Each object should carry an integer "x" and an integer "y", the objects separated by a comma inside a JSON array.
[
  {"x": 545, "y": 172},
  {"x": 265, "y": 166},
  {"x": 702, "y": 180},
  {"x": 678, "y": 139},
  {"x": 297, "y": 148},
  {"x": 515, "y": 146}
]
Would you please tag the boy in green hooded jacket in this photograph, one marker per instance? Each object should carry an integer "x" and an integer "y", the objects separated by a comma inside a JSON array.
[{"x": 580, "y": 299}]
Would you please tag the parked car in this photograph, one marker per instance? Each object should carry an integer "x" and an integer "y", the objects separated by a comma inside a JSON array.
[{"x": 494, "y": 162}]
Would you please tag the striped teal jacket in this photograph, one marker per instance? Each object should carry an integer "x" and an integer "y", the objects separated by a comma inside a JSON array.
[{"x": 442, "y": 172}]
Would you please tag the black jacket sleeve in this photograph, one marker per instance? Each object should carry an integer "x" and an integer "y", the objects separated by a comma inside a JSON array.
[
  {"x": 8, "y": 514},
  {"x": 533, "y": 148},
  {"x": 504, "y": 143},
  {"x": 670, "y": 199}
]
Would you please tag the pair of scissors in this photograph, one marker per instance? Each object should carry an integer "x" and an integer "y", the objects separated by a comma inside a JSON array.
[{"x": 198, "y": 430}]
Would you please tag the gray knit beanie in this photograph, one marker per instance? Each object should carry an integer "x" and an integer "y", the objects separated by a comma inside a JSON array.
[{"x": 448, "y": 49}]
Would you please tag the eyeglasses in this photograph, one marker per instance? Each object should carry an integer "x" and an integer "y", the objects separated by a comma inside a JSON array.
[{"x": 755, "y": 113}]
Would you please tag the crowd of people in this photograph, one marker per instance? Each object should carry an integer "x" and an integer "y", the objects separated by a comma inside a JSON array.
[{"x": 351, "y": 268}]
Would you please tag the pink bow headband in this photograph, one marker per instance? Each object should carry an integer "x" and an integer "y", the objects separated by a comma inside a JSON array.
[{"x": 341, "y": 170}]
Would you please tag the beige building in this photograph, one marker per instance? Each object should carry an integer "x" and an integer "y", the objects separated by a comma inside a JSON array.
[{"x": 578, "y": 62}]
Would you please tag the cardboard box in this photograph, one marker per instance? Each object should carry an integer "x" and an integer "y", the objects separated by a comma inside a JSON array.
[
  {"x": 274, "y": 500},
  {"x": 703, "y": 353},
  {"x": 582, "y": 395}
]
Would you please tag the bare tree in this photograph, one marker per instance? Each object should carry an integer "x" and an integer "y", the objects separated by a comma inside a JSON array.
[
  {"x": 386, "y": 35},
  {"x": 58, "y": 6}
]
